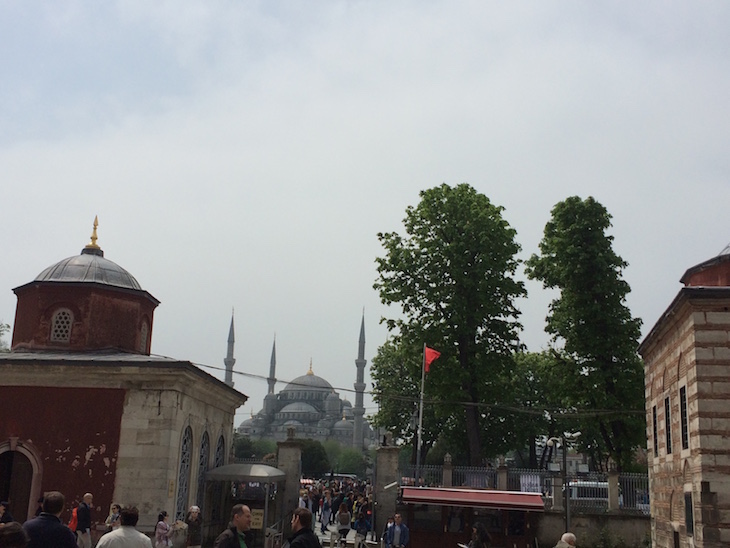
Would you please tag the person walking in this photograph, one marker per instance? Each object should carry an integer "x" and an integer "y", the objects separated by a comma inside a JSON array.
[
  {"x": 480, "y": 537},
  {"x": 326, "y": 513},
  {"x": 301, "y": 526},
  {"x": 195, "y": 527},
  {"x": 238, "y": 535},
  {"x": 162, "y": 531},
  {"x": 112, "y": 520},
  {"x": 362, "y": 528},
  {"x": 126, "y": 535},
  {"x": 398, "y": 535},
  {"x": 342, "y": 520},
  {"x": 83, "y": 525},
  {"x": 47, "y": 529}
]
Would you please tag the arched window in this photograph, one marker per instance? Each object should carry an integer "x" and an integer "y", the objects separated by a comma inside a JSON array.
[
  {"x": 202, "y": 468},
  {"x": 144, "y": 334},
  {"x": 61, "y": 323},
  {"x": 183, "y": 478},
  {"x": 217, "y": 490}
]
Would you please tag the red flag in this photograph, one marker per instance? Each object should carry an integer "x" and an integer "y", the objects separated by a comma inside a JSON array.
[{"x": 430, "y": 356}]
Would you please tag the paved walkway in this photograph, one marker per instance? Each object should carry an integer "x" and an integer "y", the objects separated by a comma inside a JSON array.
[{"x": 331, "y": 532}]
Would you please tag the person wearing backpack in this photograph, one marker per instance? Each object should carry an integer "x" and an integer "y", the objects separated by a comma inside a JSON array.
[{"x": 362, "y": 527}]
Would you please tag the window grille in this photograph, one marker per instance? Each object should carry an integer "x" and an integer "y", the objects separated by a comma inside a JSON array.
[
  {"x": 217, "y": 490},
  {"x": 202, "y": 468},
  {"x": 684, "y": 420},
  {"x": 656, "y": 432},
  {"x": 183, "y": 485},
  {"x": 668, "y": 425},
  {"x": 61, "y": 325}
]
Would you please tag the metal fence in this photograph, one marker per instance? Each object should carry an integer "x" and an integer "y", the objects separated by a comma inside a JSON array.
[
  {"x": 431, "y": 476},
  {"x": 634, "y": 493},
  {"x": 588, "y": 492},
  {"x": 473, "y": 476}
]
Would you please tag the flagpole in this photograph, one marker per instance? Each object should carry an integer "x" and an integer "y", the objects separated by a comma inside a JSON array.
[{"x": 420, "y": 419}]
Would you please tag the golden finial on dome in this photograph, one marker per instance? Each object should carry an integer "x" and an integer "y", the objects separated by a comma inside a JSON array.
[
  {"x": 310, "y": 372},
  {"x": 94, "y": 237}
]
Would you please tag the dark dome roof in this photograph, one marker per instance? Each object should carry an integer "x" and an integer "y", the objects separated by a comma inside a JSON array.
[
  {"x": 310, "y": 381},
  {"x": 89, "y": 267},
  {"x": 343, "y": 424}
]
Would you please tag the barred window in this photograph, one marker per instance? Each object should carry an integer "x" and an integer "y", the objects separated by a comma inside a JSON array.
[
  {"x": 202, "y": 468},
  {"x": 683, "y": 418},
  {"x": 668, "y": 425},
  {"x": 656, "y": 432},
  {"x": 61, "y": 325},
  {"x": 183, "y": 480},
  {"x": 217, "y": 489}
]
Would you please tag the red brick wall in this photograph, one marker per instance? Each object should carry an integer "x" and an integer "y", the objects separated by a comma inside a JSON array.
[
  {"x": 76, "y": 431},
  {"x": 103, "y": 318}
]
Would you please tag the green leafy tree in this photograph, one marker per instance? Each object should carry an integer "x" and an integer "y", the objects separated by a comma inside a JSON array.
[
  {"x": 453, "y": 276},
  {"x": 352, "y": 461},
  {"x": 396, "y": 376},
  {"x": 599, "y": 367},
  {"x": 246, "y": 448},
  {"x": 315, "y": 463},
  {"x": 538, "y": 399},
  {"x": 4, "y": 329}
]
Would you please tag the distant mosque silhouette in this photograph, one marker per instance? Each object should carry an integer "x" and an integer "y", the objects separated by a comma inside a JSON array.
[{"x": 310, "y": 405}]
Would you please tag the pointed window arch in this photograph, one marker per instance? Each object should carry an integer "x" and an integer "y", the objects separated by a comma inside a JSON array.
[
  {"x": 183, "y": 478},
  {"x": 217, "y": 490},
  {"x": 202, "y": 468}
]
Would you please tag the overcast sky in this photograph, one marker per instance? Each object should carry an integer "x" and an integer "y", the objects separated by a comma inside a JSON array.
[{"x": 245, "y": 154}]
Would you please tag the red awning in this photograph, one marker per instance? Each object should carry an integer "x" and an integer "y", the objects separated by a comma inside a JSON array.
[{"x": 477, "y": 498}]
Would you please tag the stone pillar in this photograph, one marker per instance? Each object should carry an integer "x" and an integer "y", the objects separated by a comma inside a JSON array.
[
  {"x": 386, "y": 471},
  {"x": 290, "y": 462},
  {"x": 613, "y": 499},
  {"x": 448, "y": 472},
  {"x": 558, "y": 493},
  {"x": 502, "y": 477}
]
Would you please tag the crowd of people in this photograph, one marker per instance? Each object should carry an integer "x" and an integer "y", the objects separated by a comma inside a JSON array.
[
  {"x": 316, "y": 506},
  {"x": 46, "y": 529}
]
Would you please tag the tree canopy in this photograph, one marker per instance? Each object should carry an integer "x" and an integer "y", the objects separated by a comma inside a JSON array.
[
  {"x": 452, "y": 274},
  {"x": 4, "y": 329},
  {"x": 593, "y": 330}
]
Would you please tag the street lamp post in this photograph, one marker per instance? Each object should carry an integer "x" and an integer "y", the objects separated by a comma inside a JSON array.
[{"x": 563, "y": 442}]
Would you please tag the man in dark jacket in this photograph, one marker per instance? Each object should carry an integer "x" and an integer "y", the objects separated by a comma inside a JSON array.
[
  {"x": 301, "y": 526},
  {"x": 83, "y": 528},
  {"x": 47, "y": 530},
  {"x": 238, "y": 535}
]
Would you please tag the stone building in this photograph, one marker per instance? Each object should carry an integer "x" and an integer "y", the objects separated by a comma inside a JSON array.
[
  {"x": 313, "y": 408},
  {"x": 687, "y": 372},
  {"x": 86, "y": 407}
]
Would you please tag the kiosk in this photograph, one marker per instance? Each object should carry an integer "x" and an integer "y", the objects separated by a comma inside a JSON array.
[{"x": 444, "y": 516}]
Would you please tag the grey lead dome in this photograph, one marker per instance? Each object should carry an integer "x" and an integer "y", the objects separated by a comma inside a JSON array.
[{"x": 90, "y": 267}]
